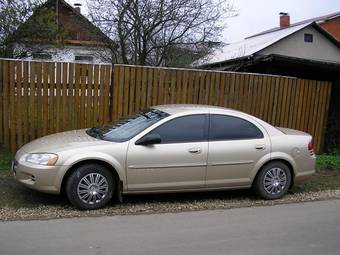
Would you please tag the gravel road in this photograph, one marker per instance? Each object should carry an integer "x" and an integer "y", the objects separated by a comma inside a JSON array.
[{"x": 163, "y": 204}]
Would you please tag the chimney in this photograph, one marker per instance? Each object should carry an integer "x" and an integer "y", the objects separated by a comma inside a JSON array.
[
  {"x": 77, "y": 7},
  {"x": 284, "y": 19}
]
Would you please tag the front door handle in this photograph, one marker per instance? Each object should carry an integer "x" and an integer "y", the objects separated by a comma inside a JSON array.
[
  {"x": 260, "y": 147},
  {"x": 195, "y": 150}
]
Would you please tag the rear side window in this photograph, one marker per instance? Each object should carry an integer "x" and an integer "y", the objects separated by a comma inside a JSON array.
[
  {"x": 224, "y": 127},
  {"x": 192, "y": 128}
]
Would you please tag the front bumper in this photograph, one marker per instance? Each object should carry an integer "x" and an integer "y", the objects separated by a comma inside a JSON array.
[{"x": 37, "y": 177}]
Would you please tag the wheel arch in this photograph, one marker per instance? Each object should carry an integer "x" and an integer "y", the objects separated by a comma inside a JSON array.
[
  {"x": 282, "y": 160},
  {"x": 72, "y": 168}
]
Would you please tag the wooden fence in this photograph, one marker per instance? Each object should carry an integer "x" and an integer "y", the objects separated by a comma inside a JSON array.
[{"x": 43, "y": 98}]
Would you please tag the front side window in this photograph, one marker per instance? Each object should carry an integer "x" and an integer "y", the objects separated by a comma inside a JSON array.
[
  {"x": 223, "y": 127},
  {"x": 124, "y": 129},
  {"x": 184, "y": 129}
]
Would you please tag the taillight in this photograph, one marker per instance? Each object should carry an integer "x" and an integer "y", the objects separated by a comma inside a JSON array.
[{"x": 311, "y": 148}]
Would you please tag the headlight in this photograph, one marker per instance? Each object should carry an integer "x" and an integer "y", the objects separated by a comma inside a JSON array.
[{"x": 48, "y": 159}]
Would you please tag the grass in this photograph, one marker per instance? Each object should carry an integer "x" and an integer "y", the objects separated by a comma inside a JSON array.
[
  {"x": 15, "y": 195},
  {"x": 5, "y": 163},
  {"x": 327, "y": 174},
  {"x": 328, "y": 161}
]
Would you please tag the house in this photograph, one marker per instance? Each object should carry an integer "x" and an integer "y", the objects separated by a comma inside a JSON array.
[
  {"x": 84, "y": 42},
  {"x": 309, "y": 49},
  {"x": 304, "y": 49}
]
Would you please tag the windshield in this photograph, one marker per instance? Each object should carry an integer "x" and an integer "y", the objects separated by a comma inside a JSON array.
[{"x": 124, "y": 129}]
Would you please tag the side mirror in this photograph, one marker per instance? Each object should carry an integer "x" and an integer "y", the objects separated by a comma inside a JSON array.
[{"x": 149, "y": 139}]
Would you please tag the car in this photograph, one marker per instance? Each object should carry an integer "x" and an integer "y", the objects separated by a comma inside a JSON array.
[{"x": 167, "y": 148}]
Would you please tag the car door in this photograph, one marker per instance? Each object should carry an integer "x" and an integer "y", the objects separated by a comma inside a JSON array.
[
  {"x": 235, "y": 146},
  {"x": 177, "y": 163}
]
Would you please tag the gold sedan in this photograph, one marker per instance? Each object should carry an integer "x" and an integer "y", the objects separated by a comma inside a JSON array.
[{"x": 167, "y": 148}]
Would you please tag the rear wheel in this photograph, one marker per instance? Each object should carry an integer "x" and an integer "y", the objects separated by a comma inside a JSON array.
[
  {"x": 273, "y": 180},
  {"x": 90, "y": 187}
]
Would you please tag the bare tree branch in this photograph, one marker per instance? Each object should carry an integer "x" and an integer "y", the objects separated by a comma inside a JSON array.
[{"x": 150, "y": 32}]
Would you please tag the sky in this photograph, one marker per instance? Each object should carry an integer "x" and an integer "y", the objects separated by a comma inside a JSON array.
[{"x": 258, "y": 15}]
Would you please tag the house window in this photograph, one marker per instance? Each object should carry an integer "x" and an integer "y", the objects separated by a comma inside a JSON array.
[
  {"x": 308, "y": 38},
  {"x": 83, "y": 58},
  {"x": 42, "y": 56}
]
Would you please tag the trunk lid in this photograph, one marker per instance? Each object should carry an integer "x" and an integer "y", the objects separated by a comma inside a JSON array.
[{"x": 289, "y": 131}]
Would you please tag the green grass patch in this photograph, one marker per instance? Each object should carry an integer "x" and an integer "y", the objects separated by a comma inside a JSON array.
[
  {"x": 5, "y": 162},
  {"x": 328, "y": 161}
]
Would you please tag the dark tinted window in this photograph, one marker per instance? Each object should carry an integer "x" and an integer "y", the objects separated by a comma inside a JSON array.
[
  {"x": 232, "y": 128},
  {"x": 183, "y": 129},
  {"x": 308, "y": 38}
]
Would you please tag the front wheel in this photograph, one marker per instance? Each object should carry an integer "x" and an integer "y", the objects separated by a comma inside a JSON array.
[
  {"x": 273, "y": 180},
  {"x": 90, "y": 187}
]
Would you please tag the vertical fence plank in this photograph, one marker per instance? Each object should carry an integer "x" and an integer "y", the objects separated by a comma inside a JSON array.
[
  {"x": 89, "y": 97},
  {"x": 149, "y": 86},
  {"x": 115, "y": 91},
  {"x": 5, "y": 95},
  {"x": 51, "y": 92},
  {"x": 95, "y": 95},
  {"x": 19, "y": 107},
  {"x": 82, "y": 94},
  {"x": 12, "y": 66},
  {"x": 120, "y": 93},
  {"x": 38, "y": 102},
  {"x": 65, "y": 118},
  {"x": 107, "y": 93},
  {"x": 31, "y": 102},
  {"x": 144, "y": 87},
  {"x": 132, "y": 89},
  {"x": 57, "y": 98},
  {"x": 45, "y": 97},
  {"x": 126, "y": 97},
  {"x": 324, "y": 110},
  {"x": 76, "y": 107}
]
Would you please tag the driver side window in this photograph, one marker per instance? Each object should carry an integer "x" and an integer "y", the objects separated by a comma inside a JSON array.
[{"x": 192, "y": 128}]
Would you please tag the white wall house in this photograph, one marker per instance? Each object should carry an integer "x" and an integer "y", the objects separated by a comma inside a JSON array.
[
  {"x": 84, "y": 42},
  {"x": 306, "y": 40},
  {"x": 67, "y": 53}
]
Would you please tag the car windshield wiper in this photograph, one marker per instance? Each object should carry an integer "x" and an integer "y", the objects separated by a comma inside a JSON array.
[
  {"x": 95, "y": 132},
  {"x": 144, "y": 115}
]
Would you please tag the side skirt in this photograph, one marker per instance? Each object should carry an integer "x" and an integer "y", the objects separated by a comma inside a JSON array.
[{"x": 184, "y": 190}]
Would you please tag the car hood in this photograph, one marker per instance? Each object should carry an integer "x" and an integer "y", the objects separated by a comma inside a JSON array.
[{"x": 62, "y": 141}]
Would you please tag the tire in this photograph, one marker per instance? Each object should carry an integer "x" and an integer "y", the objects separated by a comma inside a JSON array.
[
  {"x": 273, "y": 180},
  {"x": 90, "y": 187}
]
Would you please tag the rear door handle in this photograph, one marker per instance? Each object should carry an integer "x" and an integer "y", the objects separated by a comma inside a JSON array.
[
  {"x": 260, "y": 147},
  {"x": 195, "y": 150}
]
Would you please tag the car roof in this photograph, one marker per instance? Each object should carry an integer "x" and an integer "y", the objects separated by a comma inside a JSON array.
[{"x": 181, "y": 108}]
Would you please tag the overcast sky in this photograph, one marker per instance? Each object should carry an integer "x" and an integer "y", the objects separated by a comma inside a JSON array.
[{"x": 259, "y": 15}]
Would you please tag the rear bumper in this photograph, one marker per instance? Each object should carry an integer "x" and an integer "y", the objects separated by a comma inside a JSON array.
[{"x": 304, "y": 175}]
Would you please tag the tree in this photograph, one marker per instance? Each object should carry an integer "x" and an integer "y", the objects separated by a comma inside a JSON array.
[
  {"x": 19, "y": 27},
  {"x": 159, "y": 32}
]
